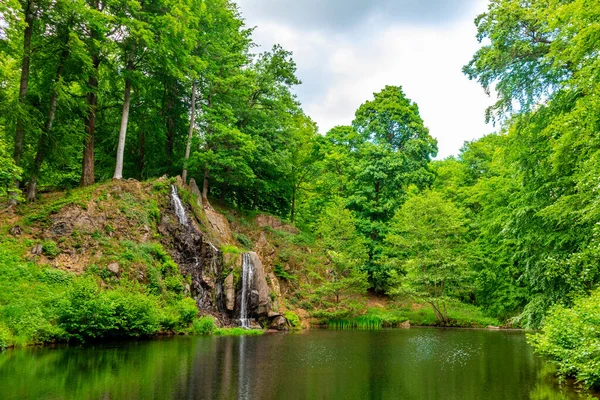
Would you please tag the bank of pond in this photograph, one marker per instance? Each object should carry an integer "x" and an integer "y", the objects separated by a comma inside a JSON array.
[{"x": 416, "y": 363}]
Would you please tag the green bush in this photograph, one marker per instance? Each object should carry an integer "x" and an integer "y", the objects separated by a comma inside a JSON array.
[
  {"x": 280, "y": 272},
  {"x": 293, "y": 319},
  {"x": 6, "y": 338},
  {"x": 244, "y": 240},
  {"x": 50, "y": 248},
  {"x": 187, "y": 310},
  {"x": 203, "y": 325},
  {"x": 89, "y": 312},
  {"x": 571, "y": 338}
]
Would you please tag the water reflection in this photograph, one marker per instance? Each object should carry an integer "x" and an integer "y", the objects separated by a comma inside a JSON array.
[{"x": 398, "y": 364}]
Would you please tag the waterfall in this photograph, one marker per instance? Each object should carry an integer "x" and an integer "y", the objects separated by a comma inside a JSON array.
[
  {"x": 247, "y": 274},
  {"x": 179, "y": 209}
]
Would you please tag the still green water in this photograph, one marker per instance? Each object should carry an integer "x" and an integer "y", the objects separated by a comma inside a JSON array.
[{"x": 319, "y": 364}]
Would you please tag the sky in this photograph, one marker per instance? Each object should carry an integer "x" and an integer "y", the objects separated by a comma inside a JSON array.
[{"x": 346, "y": 50}]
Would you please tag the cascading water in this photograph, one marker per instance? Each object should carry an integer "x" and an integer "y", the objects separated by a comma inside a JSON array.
[
  {"x": 247, "y": 275},
  {"x": 179, "y": 209}
]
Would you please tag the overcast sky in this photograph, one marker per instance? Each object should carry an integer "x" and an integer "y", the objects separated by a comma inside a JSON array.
[{"x": 348, "y": 49}]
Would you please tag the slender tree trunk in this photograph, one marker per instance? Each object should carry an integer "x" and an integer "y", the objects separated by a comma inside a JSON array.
[
  {"x": 23, "y": 87},
  {"x": 205, "y": 188},
  {"x": 124, "y": 120},
  {"x": 44, "y": 136},
  {"x": 188, "y": 146},
  {"x": 87, "y": 170},
  {"x": 293, "y": 214}
]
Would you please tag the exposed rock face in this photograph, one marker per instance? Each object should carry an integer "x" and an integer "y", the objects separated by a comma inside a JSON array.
[
  {"x": 260, "y": 286},
  {"x": 196, "y": 191},
  {"x": 229, "y": 293},
  {"x": 259, "y": 299},
  {"x": 274, "y": 222},
  {"x": 219, "y": 225},
  {"x": 196, "y": 257}
]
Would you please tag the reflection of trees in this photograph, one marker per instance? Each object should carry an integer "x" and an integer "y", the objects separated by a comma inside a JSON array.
[{"x": 416, "y": 363}]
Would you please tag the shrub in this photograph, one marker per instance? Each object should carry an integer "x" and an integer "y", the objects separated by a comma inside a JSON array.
[
  {"x": 293, "y": 319},
  {"x": 187, "y": 310},
  {"x": 570, "y": 338},
  {"x": 280, "y": 272},
  {"x": 6, "y": 337},
  {"x": 50, "y": 248},
  {"x": 203, "y": 325},
  {"x": 89, "y": 312},
  {"x": 244, "y": 240}
]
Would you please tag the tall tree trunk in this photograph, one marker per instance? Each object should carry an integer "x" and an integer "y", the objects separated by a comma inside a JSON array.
[
  {"x": 44, "y": 136},
  {"x": 87, "y": 170},
  {"x": 23, "y": 87},
  {"x": 293, "y": 214},
  {"x": 124, "y": 119},
  {"x": 190, "y": 133},
  {"x": 205, "y": 188}
]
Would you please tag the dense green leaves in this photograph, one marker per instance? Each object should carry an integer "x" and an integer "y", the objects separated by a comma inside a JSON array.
[
  {"x": 426, "y": 239},
  {"x": 570, "y": 339}
]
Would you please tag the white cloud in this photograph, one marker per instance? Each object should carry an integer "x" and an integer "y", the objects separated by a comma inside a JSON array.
[{"x": 341, "y": 70}]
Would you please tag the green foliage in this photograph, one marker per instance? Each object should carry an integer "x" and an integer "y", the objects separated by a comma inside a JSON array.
[
  {"x": 9, "y": 171},
  {"x": 50, "y": 248},
  {"x": 428, "y": 234},
  {"x": 238, "y": 332},
  {"x": 6, "y": 338},
  {"x": 346, "y": 252},
  {"x": 293, "y": 319},
  {"x": 280, "y": 272},
  {"x": 366, "y": 322},
  {"x": 244, "y": 240},
  {"x": 88, "y": 312},
  {"x": 204, "y": 326},
  {"x": 570, "y": 338}
]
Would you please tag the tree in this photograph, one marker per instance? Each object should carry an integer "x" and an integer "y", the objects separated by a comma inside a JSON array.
[
  {"x": 427, "y": 235},
  {"x": 303, "y": 155},
  {"x": 345, "y": 251}
]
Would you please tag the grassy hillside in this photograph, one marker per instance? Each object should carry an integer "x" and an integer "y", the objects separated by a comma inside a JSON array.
[{"x": 90, "y": 263}]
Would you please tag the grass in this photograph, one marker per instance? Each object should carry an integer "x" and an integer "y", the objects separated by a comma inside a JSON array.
[
  {"x": 41, "y": 304},
  {"x": 462, "y": 315},
  {"x": 238, "y": 332}
]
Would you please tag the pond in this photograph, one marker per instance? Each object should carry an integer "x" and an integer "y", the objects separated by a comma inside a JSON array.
[{"x": 417, "y": 363}]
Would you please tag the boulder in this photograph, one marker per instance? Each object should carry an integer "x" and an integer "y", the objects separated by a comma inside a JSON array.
[
  {"x": 37, "y": 250},
  {"x": 229, "y": 293},
  {"x": 278, "y": 323},
  {"x": 260, "y": 288},
  {"x": 15, "y": 230},
  {"x": 404, "y": 325},
  {"x": 114, "y": 268}
]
